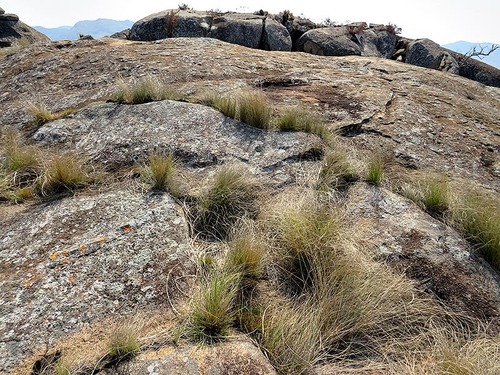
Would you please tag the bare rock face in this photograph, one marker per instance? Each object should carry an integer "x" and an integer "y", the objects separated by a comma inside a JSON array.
[
  {"x": 82, "y": 259},
  {"x": 427, "y": 54},
  {"x": 197, "y": 135},
  {"x": 276, "y": 37},
  {"x": 243, "y": 29},
  {"x": 13, "y": 31}
]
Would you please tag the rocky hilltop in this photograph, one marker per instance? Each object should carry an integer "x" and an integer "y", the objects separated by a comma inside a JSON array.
[{"x": 293, "y": 212}]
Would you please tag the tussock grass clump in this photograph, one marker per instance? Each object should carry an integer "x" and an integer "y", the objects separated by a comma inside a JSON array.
[
  {"x": 435, "y": 195},
  {"x": 336, "y": 171},
  {"x": 146, "y": 89},
  {"x": 160, "y": 174},
  {"x": 212, "y": 310},
  {"x": 227, "y": 105},
  {"x": 290, "y": 336},
  {"x": 41, "y": 114},
  {"x": 63, "y": 173},
  {"x": 230, "y": 198},
  {"x": 254, "y": 110},
  {"x": 123, "y": 342},
  {"x": 478, "y": 216},
  {"x": 298, "y": 119},
  {"x": 375, "y": 172},
  {"x": 245, "y": 255}
]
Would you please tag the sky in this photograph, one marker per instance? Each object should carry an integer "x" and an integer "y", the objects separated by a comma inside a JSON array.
[{"x": 443, "y": 21}]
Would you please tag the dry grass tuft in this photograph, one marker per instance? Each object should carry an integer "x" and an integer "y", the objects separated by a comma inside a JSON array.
[
  {"x": 144, "y": 90},
  {"x": 160, "y": 173},
  {"x": 229, "y": 198},
  {"x": 254, "y": 110},
  {"x": 41, "y": 114},
  {"x": 336, "y": 171},
  {"x": 63, "y": 173},
  {"x": 375, "y": 172},
  {"x": 123, "y": 342},
  {"x": 298, "y": 119}
]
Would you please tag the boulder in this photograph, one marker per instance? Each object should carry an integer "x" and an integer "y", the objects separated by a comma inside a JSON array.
[
  {"x": 329, "y": 41},
  {"x": 2, "y": 11},
  {"x": 237, "y": 28},
  {"x": 377, "y": 43},
  {"x": 477, "y": 70},
  {"x": 428, "y": 54},
  {"x": 124, "y": 34},
  {"x": 276, "y": 36},
  {"x": 14, "y": 32}
]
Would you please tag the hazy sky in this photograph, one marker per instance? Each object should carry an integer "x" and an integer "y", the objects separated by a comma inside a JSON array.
[{"x": 443, "y": 21}]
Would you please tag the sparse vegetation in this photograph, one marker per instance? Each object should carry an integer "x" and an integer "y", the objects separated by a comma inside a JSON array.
[
  {"x": 298, "y": 119},
  {"x": 336, "y": 171},
  {"x": 63, "y": 173},
  {"x": 478, "y": 216},
  {"x": 254, "y": 110},
  {"x": 123, "y": 342},
  {"x": 41, "y": 114},
  {"x": 229, "y": 198},
  {"x": 435, "y": 195},
  {"x": 212, "y": 310},
  {"x": 375, "y": 172},
  {"x": 245, "y": 255},
  {"x": 146, "y": 89},
  {"x": 160, "y": 173},
  {"x": 224, "y": 104}
]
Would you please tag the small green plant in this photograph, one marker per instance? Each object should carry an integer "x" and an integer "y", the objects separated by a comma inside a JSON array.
[
  {"x": 336, "y": 171},
  {"x": 375, "y": 172},
  {"x": 212, "y": 310},
  {"x": 254, "y": 110},
  {"x": 160, "y": 173},
  {"x": 435, "y": 196},
  {"x": 297, "y": 119},
  {"x": 123, "y": 342},
  {"x": 63, "y": 173},
  {"x": 146, "y": 89},
  {"x": 230, "y": 198}
]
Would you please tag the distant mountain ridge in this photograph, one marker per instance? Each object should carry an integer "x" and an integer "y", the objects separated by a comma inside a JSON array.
[
  {"x": 464, "y": 47},
  {"x": 97, "y": 28}
]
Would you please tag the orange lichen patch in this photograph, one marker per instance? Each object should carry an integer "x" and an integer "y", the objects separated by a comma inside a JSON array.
[
  {"x": 54, "y": 255},
  {"x": 83, "y": 247},
  {"x": 71, "y": 280},
  {"x": 32, "y": 279},
  {"x": 65, "y": 253},
  {"x": 101, "y": 239},
  {"x": 127, "y": 228}
]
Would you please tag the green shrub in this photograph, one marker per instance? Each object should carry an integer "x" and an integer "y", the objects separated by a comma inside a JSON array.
[
  {"x": 230, "y": 198},
  {"x": 375, "y": 172},
  {"x": 254, "y": 110},
  {"x": 212, "y": 310}
]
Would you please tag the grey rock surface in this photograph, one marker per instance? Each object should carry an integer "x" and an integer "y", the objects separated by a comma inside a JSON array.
[
  {"x": 2, "y": 11},
  {"x": 81, "y": 259},
  {"x": 329, "y": 41},
  {"x": 199, "y": 136},
  {"x": 428, "y": 54},
  {"x": 276, "y": 37},
  {"x": 377, "y": 43},
  {"x": 235, "y": 357},
  {"x": 243, "y": 29}
]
